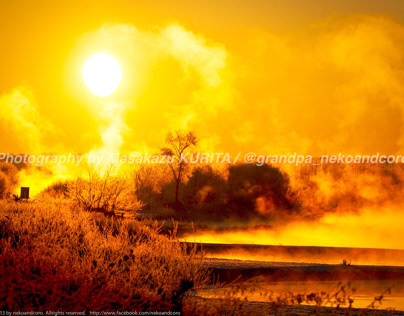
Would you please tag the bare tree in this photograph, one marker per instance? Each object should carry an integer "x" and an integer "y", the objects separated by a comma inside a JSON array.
[
  {"x": 178, "y": 143},
  {"x": 103, "y": 192}
]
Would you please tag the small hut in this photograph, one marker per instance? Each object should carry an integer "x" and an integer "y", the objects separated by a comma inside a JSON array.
[{"x": 24, "y": 193}]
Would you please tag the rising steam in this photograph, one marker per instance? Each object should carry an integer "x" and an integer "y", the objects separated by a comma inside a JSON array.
[{"x": 334, "y": 87}]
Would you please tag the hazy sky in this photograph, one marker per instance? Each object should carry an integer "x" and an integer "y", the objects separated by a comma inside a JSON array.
[{"x": 285, "y": 76}]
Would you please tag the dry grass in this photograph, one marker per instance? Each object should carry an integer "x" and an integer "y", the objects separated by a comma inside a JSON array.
[{"x": 54, "y": 256}]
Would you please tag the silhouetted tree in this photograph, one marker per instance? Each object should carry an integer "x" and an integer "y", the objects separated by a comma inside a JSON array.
[
  {"x": 178, "y": 142},
  {"x": 205, "y": 185},
  {"x": 205, "y": 193},
  {"x": 249, "y": 182}
]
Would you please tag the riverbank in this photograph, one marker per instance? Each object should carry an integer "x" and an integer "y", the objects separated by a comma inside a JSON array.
[{"x": 227, "y": 270}]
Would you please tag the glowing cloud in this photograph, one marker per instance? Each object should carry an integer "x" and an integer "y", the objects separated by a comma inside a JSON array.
[{"x": 20, "y": 120}]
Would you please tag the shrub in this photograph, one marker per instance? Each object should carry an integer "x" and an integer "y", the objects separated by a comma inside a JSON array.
[
  {"x": 59, "y": 189},
  {"x": 103, "y": 191},
  {"x": 206, "y": 193},
  {"x": 250, "y": 185},
  {"x": 148, "y": 182},
  {"x": 8, "y": 179},
  {"x": 4, "y": 186}
]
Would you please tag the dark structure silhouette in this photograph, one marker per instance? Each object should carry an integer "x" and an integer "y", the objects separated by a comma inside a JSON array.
[{"x": 24, "y": 193}]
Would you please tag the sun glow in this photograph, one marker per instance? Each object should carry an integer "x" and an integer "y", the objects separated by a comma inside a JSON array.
[{"x": 102, "y": 74}]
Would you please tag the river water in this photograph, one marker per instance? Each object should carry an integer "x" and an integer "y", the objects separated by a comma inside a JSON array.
[{"x": 363, "y": 293}]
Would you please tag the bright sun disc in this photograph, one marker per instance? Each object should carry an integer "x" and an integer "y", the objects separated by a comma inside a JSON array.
[{"x": 102, "y": 74}]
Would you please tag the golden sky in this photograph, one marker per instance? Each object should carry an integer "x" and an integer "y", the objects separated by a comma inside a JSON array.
[{"x": 311, "y": 77}]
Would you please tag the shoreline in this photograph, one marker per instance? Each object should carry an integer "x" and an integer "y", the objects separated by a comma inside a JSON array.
[
  {"x": 267, "y": 308},
  {"x": 228, "y": 270}
]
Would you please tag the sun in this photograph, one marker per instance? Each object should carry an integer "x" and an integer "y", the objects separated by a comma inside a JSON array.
[{"x": 102, "y": 74}]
